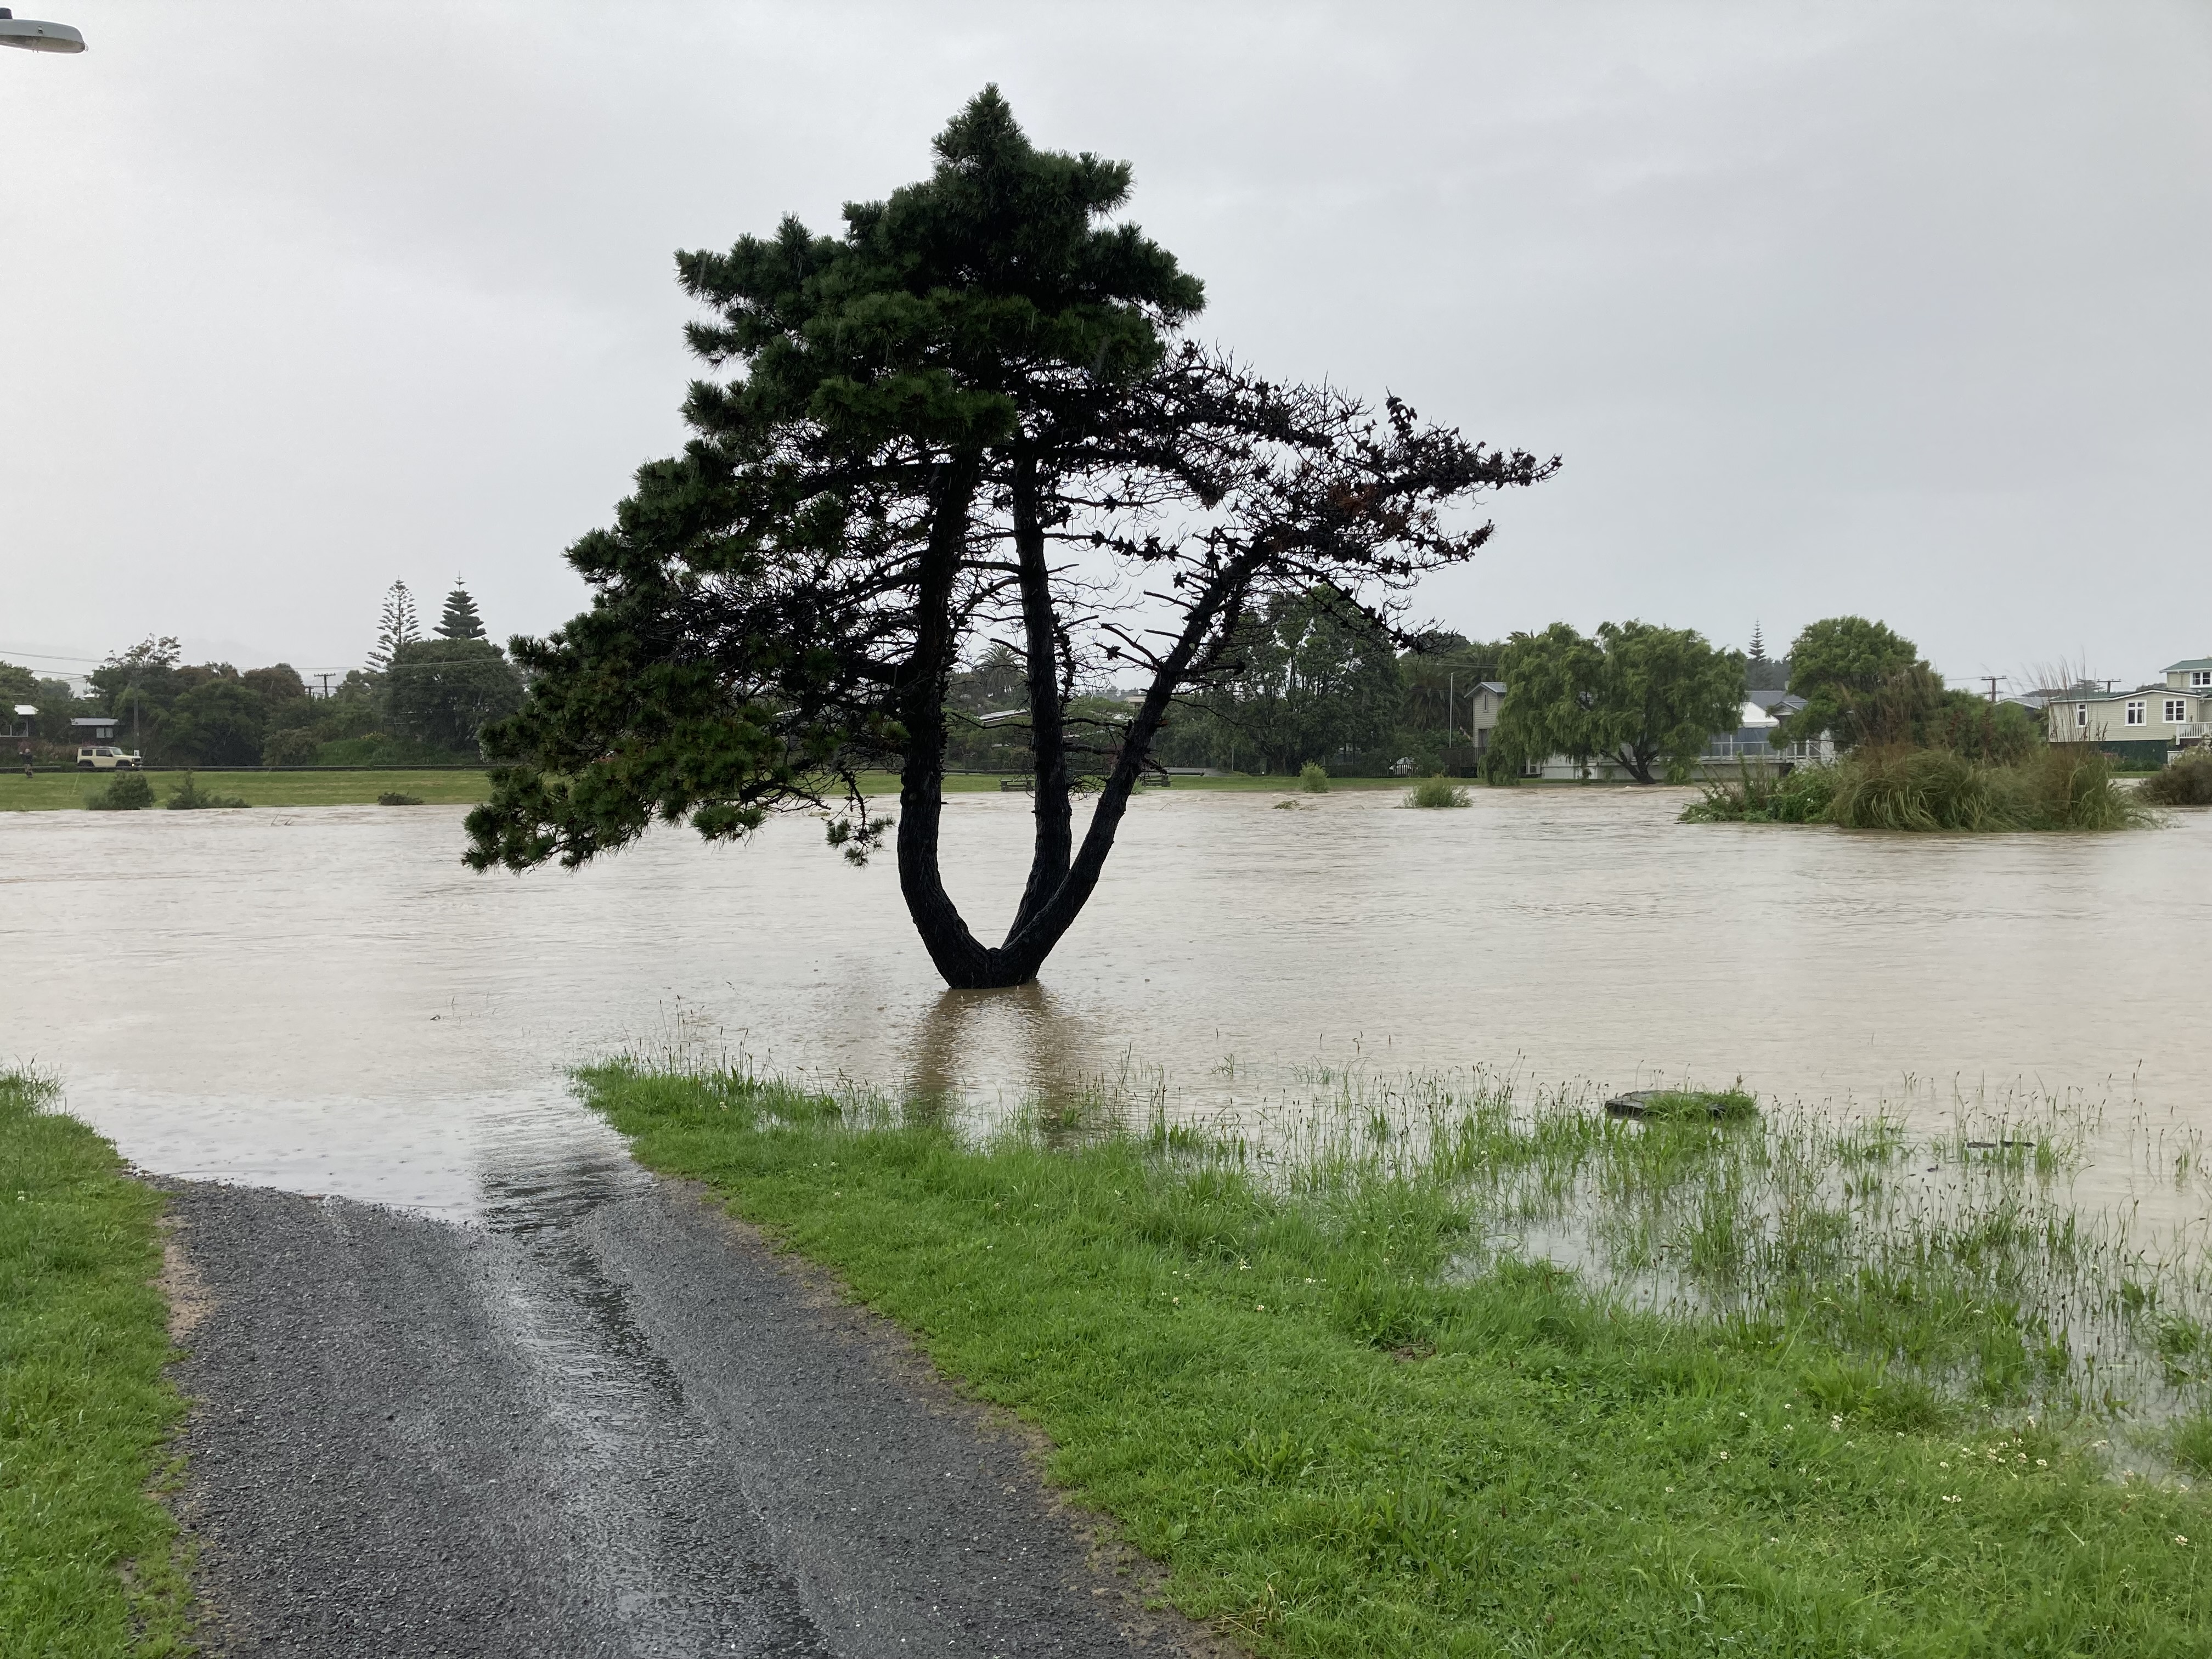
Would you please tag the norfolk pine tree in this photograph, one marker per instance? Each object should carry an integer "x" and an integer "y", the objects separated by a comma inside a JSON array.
[
  {"x": 460, "y": 620},
  {"x": 970, "y": 420}
]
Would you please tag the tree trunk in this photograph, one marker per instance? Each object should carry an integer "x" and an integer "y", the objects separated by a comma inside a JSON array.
[
  {"x": 919, "y": 694},
  {"x": 1055, "y": 810}
]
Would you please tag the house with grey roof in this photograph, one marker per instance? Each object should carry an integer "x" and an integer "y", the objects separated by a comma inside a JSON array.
[{"x": 2144, "y": 726}]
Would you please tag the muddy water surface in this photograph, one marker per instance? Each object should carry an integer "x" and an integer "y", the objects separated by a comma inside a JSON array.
[{"x": 324, "y": 1000}]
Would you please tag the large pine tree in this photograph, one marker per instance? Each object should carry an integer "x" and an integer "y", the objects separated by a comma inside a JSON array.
[
  {"x": 395, "y": 628},
  {"x": 460, "y": 621},
  {"x": 968, "y": 419}
]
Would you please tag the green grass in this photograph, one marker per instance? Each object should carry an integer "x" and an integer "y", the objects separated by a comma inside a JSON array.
[
  {"x": 55, "y": 791},
  {"x": 1337, "y": 1390},
  {"x": 89, "y": 1561}
]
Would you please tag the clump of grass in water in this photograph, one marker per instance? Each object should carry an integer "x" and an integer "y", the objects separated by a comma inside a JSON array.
[
  {"x": 2064, "y": 787},
  {"x": 127, "y": 792},
  {"x": 2186, "y": 782},
  {"x": 1438, "y": 790},
  {"x": 1757, "y": 795},
  {"x": 1313, "y": 778},
  {"x": 1323, "y": 1375},
  {"x": 397, "y": 797},
  {"x": 189, "y": 797}
]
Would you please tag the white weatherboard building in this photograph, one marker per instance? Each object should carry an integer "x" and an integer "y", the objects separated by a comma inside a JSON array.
[{"x": 2146, "y": 723}]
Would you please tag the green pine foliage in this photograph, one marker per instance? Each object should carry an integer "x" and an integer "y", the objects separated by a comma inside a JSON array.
[
  {"x": 460, "y": 620},
  {"x": 905, "y": 421}
]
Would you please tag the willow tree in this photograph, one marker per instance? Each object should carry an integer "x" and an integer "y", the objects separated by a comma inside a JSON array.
[{"x": 970, "y": 420}]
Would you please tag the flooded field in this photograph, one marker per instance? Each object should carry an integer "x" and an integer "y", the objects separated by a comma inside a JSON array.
[{"x": 325, "y": 999}]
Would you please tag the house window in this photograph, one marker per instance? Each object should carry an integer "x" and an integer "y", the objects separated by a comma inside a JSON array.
[
  {"x": 2081, "y": 714},
  {"x": 2177, "y": 710},
  {"x": 2200, "y": 679},
  {"x": 2136, "y": 712}
]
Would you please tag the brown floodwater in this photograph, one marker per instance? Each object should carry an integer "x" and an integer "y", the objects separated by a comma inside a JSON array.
[{"x": 324, "y": 1000}]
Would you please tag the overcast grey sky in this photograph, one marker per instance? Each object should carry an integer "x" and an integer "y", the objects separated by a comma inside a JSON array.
[{"x": 1898, "y": 309}]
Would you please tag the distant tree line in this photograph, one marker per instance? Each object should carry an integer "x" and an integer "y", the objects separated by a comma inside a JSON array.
[
  {"x": 421, "y": 700},
  {"x": 1314, "y": 680}
]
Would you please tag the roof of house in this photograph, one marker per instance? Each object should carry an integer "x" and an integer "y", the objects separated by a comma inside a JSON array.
[
  {"x": 93, "y": 720},
  {"x": 2156, "y": 687},
  {"x": 1499, "y": 686},
  {"x": 27, "y": 708},
  {"x": 2193, "y": 662}
]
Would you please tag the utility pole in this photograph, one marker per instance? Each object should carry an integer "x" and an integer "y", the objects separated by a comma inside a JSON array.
[
  {"x": 1992, "y": 679},
  {"x": 325, "y": 679}
]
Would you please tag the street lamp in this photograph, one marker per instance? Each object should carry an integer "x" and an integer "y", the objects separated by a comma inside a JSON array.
[{"x": 32, "y": 36}]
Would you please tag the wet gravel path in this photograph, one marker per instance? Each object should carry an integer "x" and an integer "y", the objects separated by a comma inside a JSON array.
[{"x": 630, "y": 1430}]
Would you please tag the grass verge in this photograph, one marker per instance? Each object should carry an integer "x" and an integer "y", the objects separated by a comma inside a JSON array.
[
  {"x": 89, "y": 1559},
  {"x": 55, "y": 791},
  {"x": 1351, "y": 1418}
]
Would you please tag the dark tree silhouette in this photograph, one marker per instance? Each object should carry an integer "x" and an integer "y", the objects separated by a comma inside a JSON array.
[
  {"x": 970, "y": 420},
  {"x": 460, "y": 620}
]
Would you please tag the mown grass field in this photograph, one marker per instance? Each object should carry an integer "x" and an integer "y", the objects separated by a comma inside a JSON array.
[
  {"x": 88, "y": 1563},
  {"x": 1342, "y": 1438},
  {"x": 55, "y": 791}
]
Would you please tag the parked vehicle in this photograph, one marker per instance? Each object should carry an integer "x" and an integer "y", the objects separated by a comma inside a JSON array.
[{"x": 106, "y": 757}]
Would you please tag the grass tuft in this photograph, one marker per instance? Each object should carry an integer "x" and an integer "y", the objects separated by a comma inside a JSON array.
[
  {"x": 189, "y": 797},
  {"x": 1313, "y": 778},
  {"x": 1435, "y": 792},
  {"x": 397, "y": 797},
  {"x": 86, "y": 1407},
  {"x": 2186, "y": 782}
]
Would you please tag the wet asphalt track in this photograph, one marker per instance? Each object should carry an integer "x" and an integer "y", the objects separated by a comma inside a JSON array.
[{"x": 628, "y": 1431}]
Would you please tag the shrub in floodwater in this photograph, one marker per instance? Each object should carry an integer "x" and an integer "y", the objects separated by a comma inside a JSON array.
[
  {"x": 1438, "y": 790},
  {"x": 1921, "y": 789},
  {"x": 2069, "y": 786},
  {"x": 395, "y": 798},
  {"x": 2187, "y": 783},
  {"x": 189, "y": 797},
  {"x": 1765, "y": 797},
  {"x": 1313, "y": 778},
  {"x": 2064, "y": 786},
  {"x": 127, "y": 793}
]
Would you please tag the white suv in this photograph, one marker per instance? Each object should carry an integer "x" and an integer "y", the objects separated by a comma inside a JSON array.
[{"x": 105, "y": 757}]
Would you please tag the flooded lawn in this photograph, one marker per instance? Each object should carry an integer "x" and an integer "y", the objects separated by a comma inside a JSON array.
[{"x": 325, "y": 999}]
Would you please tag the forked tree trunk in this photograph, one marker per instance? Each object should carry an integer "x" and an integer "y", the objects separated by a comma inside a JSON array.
[{"x": 1061, "y": 875}]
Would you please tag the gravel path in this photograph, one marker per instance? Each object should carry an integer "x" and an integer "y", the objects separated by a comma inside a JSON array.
[{"x": 630, "y": 1431}]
